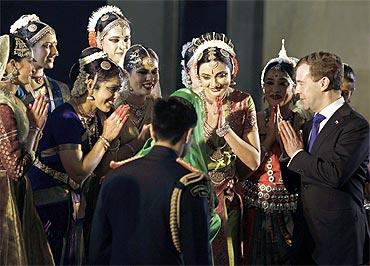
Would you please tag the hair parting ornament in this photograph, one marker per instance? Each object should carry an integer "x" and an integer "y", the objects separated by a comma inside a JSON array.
[
  {"x": 79, "y": 86},
  {"x": 136, "y": 61},
  {"x": 282, "y": 58},
  {"x": 33, "y": 24},
  {"x": 102, "y": 14},
  {"x": 210, "y": 42}
]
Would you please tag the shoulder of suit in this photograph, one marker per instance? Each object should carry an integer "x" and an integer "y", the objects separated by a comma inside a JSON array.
[{"x": 196, "y": 181}]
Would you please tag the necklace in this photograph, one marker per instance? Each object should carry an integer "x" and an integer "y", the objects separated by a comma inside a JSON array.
[
  {"x": 138, "y": 113},
  {"x": 82, "y": 112},
  {"x": 89, "y": 123}
]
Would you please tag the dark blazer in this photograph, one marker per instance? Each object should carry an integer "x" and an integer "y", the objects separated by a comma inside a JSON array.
[
  {"x": 131, "y": 223},
  {"x": 332, "y": 180}
]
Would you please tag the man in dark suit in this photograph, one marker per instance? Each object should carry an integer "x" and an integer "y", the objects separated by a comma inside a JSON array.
[
  {"x": 331, "y": 160},
  {"x": 154, "y": 209}
]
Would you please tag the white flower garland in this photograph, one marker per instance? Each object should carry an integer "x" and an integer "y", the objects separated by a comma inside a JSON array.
[
  {"x": 23, "y": 21},
  {"x": 96, "y": 15}
]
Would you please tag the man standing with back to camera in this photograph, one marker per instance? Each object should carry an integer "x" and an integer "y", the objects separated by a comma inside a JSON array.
[
  {"x": 154, "y": 209},
  {"x": 331, "y": 161}
]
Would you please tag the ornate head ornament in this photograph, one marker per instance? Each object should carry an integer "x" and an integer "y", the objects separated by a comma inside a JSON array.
[
  {"x": 136, "y": 60},
  {"x": 102, "y": 14},
  {"x": 36, "y": 28},
  {"x": 282, "y": 58},
  {"x": 185, "y": 77},
  {"x": 79, "y": 86},
  {"x": 21, "y": 49},
  {"x": 212, "y": 41}
]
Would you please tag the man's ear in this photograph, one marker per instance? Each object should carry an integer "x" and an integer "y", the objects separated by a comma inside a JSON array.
[
  {"x": 189, "y": 135},
  {"x": 324, "y": 83}
]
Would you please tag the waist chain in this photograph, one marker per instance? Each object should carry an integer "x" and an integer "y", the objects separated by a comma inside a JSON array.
[{"x": 269, "y": 198}]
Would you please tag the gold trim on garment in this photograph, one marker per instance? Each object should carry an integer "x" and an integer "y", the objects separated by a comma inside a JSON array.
[
  {"x": 184, "y": 181},
  {"x": 62, "y": 177},
  {"x": 63, "y": 147}
]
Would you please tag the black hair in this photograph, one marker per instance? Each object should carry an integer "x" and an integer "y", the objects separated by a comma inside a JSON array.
[
  {"x": 129, "y": 63},
  {"x": 12, "y": 45},
  {"x": 172, "y": 117},
  {"x": 95, "y": 67},
  {"x": 220, "y": 55},
  {"x": 283, "y": 66},
  {"x": 100, "y": 25},
  {"x": 347, "y": 71},
  {"x": 37, "y": 26}
]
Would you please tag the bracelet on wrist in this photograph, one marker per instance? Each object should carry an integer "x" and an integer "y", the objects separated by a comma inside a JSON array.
[
  {"x": 105, "y": 141},
  {"x": 223, "y": 130}
]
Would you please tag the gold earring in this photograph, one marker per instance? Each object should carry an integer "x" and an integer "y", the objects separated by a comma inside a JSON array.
[{"x": 14, "y": 75}]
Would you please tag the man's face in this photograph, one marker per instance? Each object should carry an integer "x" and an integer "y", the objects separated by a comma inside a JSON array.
[
  {"x": 309, "y": 91},
  {"x": 347, "y": 87}
]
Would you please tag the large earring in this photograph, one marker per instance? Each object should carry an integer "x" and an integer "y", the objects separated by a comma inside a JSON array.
[
  {"x": 14, "y": 75},
  {"x": 90, "y": 98}
]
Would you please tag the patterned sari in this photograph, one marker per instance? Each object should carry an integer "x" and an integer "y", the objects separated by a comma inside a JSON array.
[
  {"x": 226, "y": 172},
  {"x": 22, "y": 238}
]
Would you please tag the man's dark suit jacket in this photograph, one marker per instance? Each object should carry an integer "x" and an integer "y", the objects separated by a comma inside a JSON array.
[
  {"x": 332, "y": 196},
  {"x": 131, "y": 220}
]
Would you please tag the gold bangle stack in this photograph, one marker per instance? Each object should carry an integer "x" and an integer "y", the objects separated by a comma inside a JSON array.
[{"x": 105, "y": 142}]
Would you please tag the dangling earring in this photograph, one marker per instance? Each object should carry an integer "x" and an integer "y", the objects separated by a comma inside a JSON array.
[
  {"x": 90, "y": 98},
  {"x": 130, "y": 90},
  {"x": 14, "y": 75}
]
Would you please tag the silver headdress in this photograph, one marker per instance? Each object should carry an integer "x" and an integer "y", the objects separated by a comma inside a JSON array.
[
  {"x": 185, "y": 77},
  {"x": 33, "y": 24},
  {"x": 102, "y": 14},
  {"x": 283, "y": 57},
  {"x": 212, "y": 41},
  {"x": 203, "y": 44},
  {"x": 79, "y": 86},
  {"x": 135, "y": 60}
]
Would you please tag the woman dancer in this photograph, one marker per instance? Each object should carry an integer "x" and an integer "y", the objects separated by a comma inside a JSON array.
[
  {"x": 269, "y": 206},
  {"x": 74, "y": 142},
  {"x": 43, "y": 42},
  {"x": 110, "y": 30},
  {"x": 230, "y": 135},
  {"x": 22, "y": 239}
]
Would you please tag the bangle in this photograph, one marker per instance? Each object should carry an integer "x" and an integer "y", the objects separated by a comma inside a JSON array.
[
  {"x": 105, "y": 142},
  {"x": 222, "y": 131}
]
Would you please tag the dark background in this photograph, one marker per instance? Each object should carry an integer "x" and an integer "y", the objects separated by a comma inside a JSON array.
[{"x": 182, "y": 20}]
